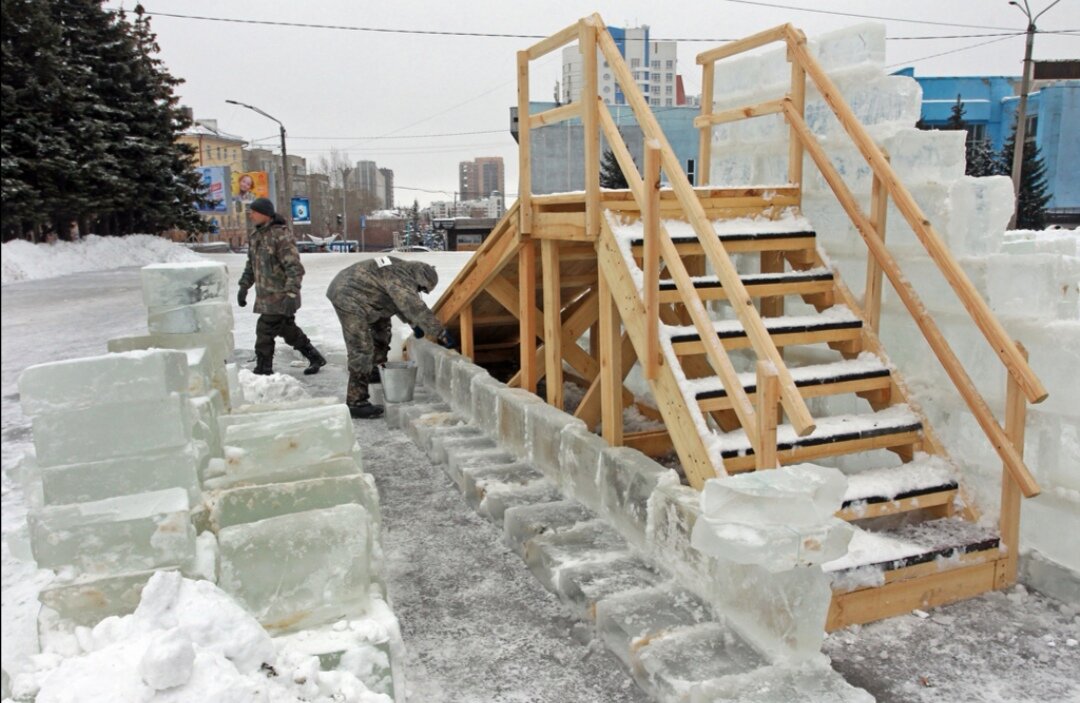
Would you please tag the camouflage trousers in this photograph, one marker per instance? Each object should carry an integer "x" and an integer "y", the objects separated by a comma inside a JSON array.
[
  {"x": 368, "y": 345},
  {"x": 270, "y": 326}
]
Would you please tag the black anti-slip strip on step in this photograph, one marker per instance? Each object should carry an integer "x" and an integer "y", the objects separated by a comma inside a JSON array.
[
  {"x": 803, "y": 383},
  {"x": 736, "y": 237},
  {"x": 813, "y": 441},
  {"x": 775, "y": 329},
  {"x": 870, "y": 500},
  {"x": 756, "y": 280},
  {"x": 946, "y": 552}
]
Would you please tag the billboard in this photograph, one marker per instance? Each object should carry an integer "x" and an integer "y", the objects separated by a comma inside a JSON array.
[
  {"x": 213, "y": 182},
  {"x": 301, "y": 211},
  {"x": 248, "y": 185}
]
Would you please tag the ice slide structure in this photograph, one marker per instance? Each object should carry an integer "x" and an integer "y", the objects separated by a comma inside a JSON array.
[{"x": 756, "y": 354}]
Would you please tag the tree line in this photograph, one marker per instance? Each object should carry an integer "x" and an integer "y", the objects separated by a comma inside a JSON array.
[{"x": 90, "y": 125}]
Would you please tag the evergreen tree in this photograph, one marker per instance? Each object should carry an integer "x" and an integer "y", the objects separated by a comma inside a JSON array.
[
  {"x": 1031, "y": 210},
  {"x": 611, "y": 174},
  {"x": 956, "y": 117},
  {"x": 981, "y": 159}
]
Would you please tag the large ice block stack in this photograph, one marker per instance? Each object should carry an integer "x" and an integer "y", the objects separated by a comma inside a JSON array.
[
  {"x": 120, "y": 446},
  {"x": 188, "y": 308}
]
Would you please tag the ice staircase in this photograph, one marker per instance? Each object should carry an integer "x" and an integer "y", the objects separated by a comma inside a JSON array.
[{"x": 755, "y": 351}]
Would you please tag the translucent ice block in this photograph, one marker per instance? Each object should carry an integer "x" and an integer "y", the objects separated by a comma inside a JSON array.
[
  {"x": 544, "y": 425},
  {"x": 627, "y": 479},
  {"x": 779, "y": 684},
  {"x": 200, "y": 371},
  {"x": 253, "y": 503},
  {"x": 202, "y": 318},
  {"x": 461, "y": 395},
  {"x": 141, "y": 473},
  {"x": 512, "y": 433},
  {"x": 579, "y": 465},
  {"x": 299, "y": 570},
  {"x": 88, "y": 601},
  {"x": 341, "y": 466},
  {"x": 174, "y": 285},
  {"x": 97, "y": 380},
  {"x": 774, "y": 547},
  {"x": 129, "y": 533},
  {"x": 802, "y": 494},
  {"x": 668, "y": 666},
  {"x": 114, "y": 430},
  {"x": 626, "y": 621},
  {"x": 289, "y": 439}
]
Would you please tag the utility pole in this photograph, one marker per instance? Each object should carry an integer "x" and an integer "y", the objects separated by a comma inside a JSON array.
[
  {"x": 1021, "y": 110},
  {"x": 283, "y": 208},
  {"x": 345, "y": 170}
]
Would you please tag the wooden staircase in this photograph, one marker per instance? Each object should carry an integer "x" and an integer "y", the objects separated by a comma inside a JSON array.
[{"x": 649, "y": 274}]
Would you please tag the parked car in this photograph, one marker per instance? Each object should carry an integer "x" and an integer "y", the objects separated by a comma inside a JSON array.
[{"x": 415, "y": 248}]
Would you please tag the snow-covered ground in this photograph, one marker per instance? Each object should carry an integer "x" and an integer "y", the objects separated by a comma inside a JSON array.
[
  {"x": 476, "y": 625},
  {"x": 23, "y": 261}
]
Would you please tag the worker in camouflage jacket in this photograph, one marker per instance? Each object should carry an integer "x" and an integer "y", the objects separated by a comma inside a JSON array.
[
  {"x": 365, "y": 296},
  {"x": 274, "y": 268}
]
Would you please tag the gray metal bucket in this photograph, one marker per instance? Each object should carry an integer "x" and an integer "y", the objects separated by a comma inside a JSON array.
[{"x": 398, "y": 381}]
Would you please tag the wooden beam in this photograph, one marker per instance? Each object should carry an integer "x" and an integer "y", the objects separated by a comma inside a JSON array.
[
  {"x": 591, "y": 127},
  {"x": 556, "y": 41},
  {"x": 817, "y": 451},
  {"x": 524, "y": 159},
  {"x": 650, "y": 216},
  {"x": 773, "y": 262},
  {"x": 879, "y": 209},
  {"x": 862, "y": 385},
  {"x": 743, "y": 195},
  {"x": 654, "y": 443},
  {"x": 944, "y": 352},
  {"x": 798, "y": 102},
  {"x": 768, "y": 399},
  {"x": 708, "y": 78},
  {"x": 973, "y": 302},
  {"x": 494, "y": 254},
  {"x": 769, "y": 107},
  {"x": 737, "y": 47},
  {"x": 892, "y": 507},
  {"x": 589, "y": 410},
  {"x": 1015, "y": 421},
  {"x": 610, "y": 366},
  {"x": 554, "y": 115},
  {"x": 549, "y": 255},
  {"x": 466, "y": 332},
  {"x": 527, "y": 308},
  {"x": 566, "y": 226}
]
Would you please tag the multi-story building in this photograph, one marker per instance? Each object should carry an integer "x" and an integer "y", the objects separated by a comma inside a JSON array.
[
  {"x": 260, "y": 159},
  {"x": 388, "y": 188},
  {"x": 214, "y": 147},
  {"x": 481, "y": 177},
  {"x": 654, "y": 65},
  {"x": 365, "y": 177}
]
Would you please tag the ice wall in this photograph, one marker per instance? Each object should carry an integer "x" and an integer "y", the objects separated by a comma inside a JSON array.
[{"x": 1029, "y": 279}]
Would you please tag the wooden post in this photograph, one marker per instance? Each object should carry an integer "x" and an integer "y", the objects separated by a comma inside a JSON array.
[
  {"x": 708, "y": 73},
  {"x": 594, "y": 341},
  {"x": 527, "y": 306},
  {"x": 590, "y": 121},
  {"x": 549, "y": 259},
  {"x": 772, "y": 262},
  {"x": 1015, "y": 420},
  {"x": 468, "y": 345},
  {"x": 768, "y": 399},
  {"x": 650, "y": 216},
  {"x": 879, "y": 208},
  {"x": 610, "y": 366},
  {"x": 798, "y": 100},
  {"x": 524, "y": 160}
]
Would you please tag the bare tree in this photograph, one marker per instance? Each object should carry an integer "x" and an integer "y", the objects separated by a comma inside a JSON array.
[{"x": 332, "y": 165}]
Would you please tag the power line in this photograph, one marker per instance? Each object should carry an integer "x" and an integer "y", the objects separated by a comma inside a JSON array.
[
  {"x": 954, "y": 51},
  {"x": 401, "y": 136},
  {"x": 838, "y": 13}
]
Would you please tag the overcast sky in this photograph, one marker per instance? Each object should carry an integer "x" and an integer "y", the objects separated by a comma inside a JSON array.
[{"x": 353, "y": 90}]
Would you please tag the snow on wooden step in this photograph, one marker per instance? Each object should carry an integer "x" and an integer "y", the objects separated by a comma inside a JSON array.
[
  {"x": 866, "y": 365},
  {"x": 788, "y": 224},
  {"x": 819, "y": 273},
  {"x": 913, "y": 544},
  {"x": 928, "y": 473},
  {"x": 836, "y": 317},
  {"x": 835, "y": 428}
]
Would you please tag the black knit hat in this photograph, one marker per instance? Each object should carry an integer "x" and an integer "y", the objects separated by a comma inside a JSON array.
[{"x": 263, "y": 206}]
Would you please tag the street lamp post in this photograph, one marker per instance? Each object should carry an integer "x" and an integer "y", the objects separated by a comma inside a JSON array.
[
  {"x": 345, "y": 171},
  {"x": 284, "y": 159}
]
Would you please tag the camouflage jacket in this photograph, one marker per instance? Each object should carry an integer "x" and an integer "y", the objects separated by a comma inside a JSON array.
[
  {"x": 386, "y": 286},
  {"x": 274, "y": 268}
]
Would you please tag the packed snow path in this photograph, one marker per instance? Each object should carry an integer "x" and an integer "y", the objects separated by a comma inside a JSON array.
[{"x": 476, "y": 624}]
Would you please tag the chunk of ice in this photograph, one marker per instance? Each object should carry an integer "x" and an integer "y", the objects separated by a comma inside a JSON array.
[
  {"x": 339, "y": 466},
  {"x": 140, "y": 473},
  {"x": 174, "y": 285},
  {"x": 202, "y": 318},
  {"x": 773, "y": 546},
  {"x": 253, "y": 503},
  {"x": 801, "y": 494},
  {"x": 668, "y": 666},
  {"x": 89, "y": 600},
  {"x": 288, "y": 440}
]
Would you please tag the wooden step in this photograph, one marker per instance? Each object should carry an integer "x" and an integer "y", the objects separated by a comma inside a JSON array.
[
  {"x": 893, "y": 427},
  {"x": 837, "y": 324},
  {"x": 811, "y": 282},
  {"x": 864, "y": 374},
  {"x": 916, "y": 566},
  {"x": 689, "y": 245},
  {"x": 927, "y": 482}
]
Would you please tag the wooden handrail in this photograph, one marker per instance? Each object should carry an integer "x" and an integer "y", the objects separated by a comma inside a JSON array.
[
  {"x": 714, "y": 350},
  {"x": 650, "y": 217},
  {"x": 770, "y": 107},
  {"x": 748, "y": 316},
  {"x": 737, "y": 47},
  {"x": 556, "y": 41},
  {"x": 555, "y": 114}
]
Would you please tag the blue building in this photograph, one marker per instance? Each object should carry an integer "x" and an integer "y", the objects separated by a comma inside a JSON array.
[{"x": 990, "y": 105}]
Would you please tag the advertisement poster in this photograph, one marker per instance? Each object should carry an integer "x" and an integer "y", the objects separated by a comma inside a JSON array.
[
  {"x": 248, "y": 185},
  {"x": 213, "y": 179},
  {"x": 301, "y": 211}
]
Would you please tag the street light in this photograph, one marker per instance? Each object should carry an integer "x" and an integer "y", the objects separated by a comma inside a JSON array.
[
  {"x": 284, "y": 157},
  {"x": 345, "y": 170}
]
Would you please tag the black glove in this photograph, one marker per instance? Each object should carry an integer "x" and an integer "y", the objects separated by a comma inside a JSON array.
[
  {"x": 418, "y": 333},
  {"x": 241, "y": 297},
  {"x": 447, "y": 339}
]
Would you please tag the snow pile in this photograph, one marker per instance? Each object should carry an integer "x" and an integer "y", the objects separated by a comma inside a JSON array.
[
  {"x": 187, "y": 641},
  {"x": 276, "y": 388},
  {"x": 23, "y": 261}
]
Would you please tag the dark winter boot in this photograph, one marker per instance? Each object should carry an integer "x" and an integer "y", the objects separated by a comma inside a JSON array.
[
  {"x": 364, "y": 410},
  {"x": 315, "y": 359},
  {"x": 264, "y": 365}
]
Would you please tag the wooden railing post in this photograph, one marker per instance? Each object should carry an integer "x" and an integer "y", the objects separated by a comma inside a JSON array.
[
  {"x": 524, "y": 160},
  {"x": 708, "y": 75},
  {"x": 591, "y": 124},
  {"x": 798, "y": 101},
  {"x": 879, "y": 209},
  {"x": 1009, "y": 521},
  {"x": 650, "y": 214},
  {"x": 527, "y": 322},
  {"x": 549, "y": 256},
  {"x": 610, "y": 365},
  {"x": 468, "y": 345},
  {"x": 768, "y": 400}
]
